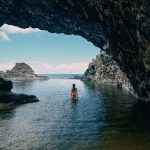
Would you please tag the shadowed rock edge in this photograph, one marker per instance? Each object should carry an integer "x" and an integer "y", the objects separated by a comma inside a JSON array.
[{"x": 9, "y": 99}]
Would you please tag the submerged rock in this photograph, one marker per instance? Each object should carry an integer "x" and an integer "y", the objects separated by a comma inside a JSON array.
[
  {"x": 9, "y": 100},
  {"x": 17, "y": 99},
  {"x": 140, "y": 114}
]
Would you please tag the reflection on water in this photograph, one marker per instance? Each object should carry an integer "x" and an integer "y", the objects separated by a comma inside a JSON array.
[{"x": 101, "y": 119}]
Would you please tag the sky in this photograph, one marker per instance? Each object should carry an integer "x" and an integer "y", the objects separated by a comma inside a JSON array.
[{"x": 45, "y": 52}]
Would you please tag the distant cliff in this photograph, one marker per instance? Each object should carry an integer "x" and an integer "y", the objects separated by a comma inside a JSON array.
[
  {"x": 103, "y": 69},
  {"x": 21, "y": 71}
]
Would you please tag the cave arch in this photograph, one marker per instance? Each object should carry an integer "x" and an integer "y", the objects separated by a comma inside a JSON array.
[{"x": 122, "y": 25}]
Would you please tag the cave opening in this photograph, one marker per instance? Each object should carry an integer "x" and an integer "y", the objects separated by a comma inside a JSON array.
[
  {"x": 101, "y": 120},
  {"x": 45, "y": 52}
]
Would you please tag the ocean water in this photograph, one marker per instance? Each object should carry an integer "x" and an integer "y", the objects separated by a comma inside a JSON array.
[{"x": 99, "y": 120}]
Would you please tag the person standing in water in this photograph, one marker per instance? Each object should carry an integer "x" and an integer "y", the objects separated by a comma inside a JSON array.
[{"x": 74, "y": 92}]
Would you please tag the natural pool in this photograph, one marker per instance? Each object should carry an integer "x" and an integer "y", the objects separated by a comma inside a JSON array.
[{"x": 100, "y": 120}]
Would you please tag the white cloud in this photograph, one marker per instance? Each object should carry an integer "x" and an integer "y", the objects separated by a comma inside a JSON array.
[
  {"x": 66, "y": 68},
  {"x": 3, "y": 36},
  {"x": 10, "y": 29},
  {"x": 6, "y": 29},
  {"x": 44, "y": 68},
  {"x": 5, "y": 66}
]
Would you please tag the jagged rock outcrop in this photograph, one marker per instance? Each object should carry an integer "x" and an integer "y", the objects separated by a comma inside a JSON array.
[
  {"x": 122, "y": 26},
  {"x": 105, "y": 70},
  {"x": 5, "y": 86},
  {"x": 9, "y": 100},
  {"x": 21, "y": 71}
]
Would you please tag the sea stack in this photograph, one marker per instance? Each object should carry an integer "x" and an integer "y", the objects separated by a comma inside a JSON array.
[{"x": 21, "y": 71}]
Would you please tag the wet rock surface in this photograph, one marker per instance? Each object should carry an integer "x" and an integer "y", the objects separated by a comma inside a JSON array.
[
  {"x": 140, "y": 114},
  {"x": 120, "y": 27},
  {"x": 17, "y": 99},
  {"x": 9, "y": 100},
  {"x": 5, "y": 85}
]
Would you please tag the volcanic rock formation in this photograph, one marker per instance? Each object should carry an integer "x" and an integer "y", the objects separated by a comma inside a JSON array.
[
  {"x": 21, "y": 68},
  {"x": 9, "y": 100},
  {"x": 21, "y": 71}
]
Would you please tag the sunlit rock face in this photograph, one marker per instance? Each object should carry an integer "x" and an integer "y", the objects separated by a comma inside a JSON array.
[
  {"x": 120, "y": 27},
  {"x": 21, "y": 71},
  {"x": 22, "y": 68},
  {"x": 104, "y": 70}
]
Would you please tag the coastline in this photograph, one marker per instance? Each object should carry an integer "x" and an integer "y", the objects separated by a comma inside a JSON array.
[{"x": 104, "y": 70}]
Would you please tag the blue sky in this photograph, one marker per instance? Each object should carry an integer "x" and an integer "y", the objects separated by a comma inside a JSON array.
[{"x": 45, "y": 52}]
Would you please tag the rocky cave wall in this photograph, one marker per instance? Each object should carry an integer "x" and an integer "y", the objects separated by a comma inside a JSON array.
[
  {"x": 104, "y": 70},
  {"x": 120, "y": 27}
]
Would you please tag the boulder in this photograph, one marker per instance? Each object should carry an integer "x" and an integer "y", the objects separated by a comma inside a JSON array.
[
  {"x": 9, "y": 100},
  {"x": 17, "y": 99},
  {"x": 5, "y": 85}
]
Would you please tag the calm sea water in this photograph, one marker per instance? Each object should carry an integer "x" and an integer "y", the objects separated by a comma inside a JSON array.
[{"x": 100, "y": 120}]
